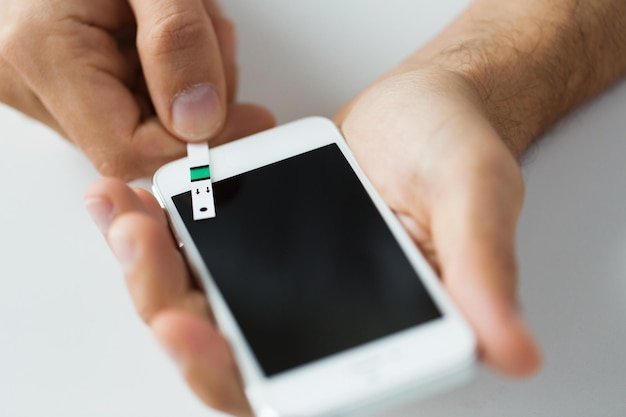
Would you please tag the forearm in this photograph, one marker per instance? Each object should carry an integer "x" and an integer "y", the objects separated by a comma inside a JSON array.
[{"x": 533, "y": 61}]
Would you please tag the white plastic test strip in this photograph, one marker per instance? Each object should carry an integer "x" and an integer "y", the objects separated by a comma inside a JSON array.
[{"x": 202, "y": 201}]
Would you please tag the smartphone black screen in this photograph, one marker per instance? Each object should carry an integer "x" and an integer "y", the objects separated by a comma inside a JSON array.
[{"x": 305, "y": 262}]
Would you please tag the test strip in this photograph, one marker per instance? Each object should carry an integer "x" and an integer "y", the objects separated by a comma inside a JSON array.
[{"x": 202, "y": 201}]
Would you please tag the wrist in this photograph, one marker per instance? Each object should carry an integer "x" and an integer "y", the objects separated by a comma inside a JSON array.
[{"x": 463, "y": 85}]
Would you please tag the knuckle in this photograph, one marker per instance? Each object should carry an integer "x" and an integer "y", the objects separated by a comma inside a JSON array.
[
  {"x": 105, "y": 167},
  {"x": 116, "y": 166},
  {"x": 176, "y": 31}
]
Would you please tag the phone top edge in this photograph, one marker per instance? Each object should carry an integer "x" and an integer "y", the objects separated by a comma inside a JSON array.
[{"x": 288, "y": 140}]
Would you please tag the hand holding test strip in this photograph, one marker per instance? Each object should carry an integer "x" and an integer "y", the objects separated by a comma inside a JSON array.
[{"x": 200, "y": 177}]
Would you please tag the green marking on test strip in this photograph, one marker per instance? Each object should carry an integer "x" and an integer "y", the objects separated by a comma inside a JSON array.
[{"x": 200, "y": 173}]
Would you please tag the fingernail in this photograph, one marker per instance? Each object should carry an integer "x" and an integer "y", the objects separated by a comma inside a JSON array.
[
  {"x": 122, "y": 247},
  {"x": 196, "y": 112},
  {"x": 101, "y": 212}
]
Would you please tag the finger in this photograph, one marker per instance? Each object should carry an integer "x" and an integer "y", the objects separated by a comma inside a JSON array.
[
  {"x": 157, "y": 281},
  {"x": 106, "y": 198},
  {"x": 204, "y": 359},
  {"x": 151, "y": 204},
  {"x": 244, "y": 120},
  {"x": 474, "y": 235},
  {"x": 15, "y": 93},
  {"x": 156, "y": 274},
  {"x": 226, "y": 37},
  {"x": 213, "y": 8},
  {"x": 182, "y": 65},
  {"x": 138, "y": 153}
]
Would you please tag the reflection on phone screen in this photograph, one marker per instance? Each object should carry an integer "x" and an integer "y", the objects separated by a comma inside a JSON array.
[{"x": 305, "y": 262}]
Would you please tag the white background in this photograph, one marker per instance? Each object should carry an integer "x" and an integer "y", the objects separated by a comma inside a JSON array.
[{"x": 71, "y": 345}]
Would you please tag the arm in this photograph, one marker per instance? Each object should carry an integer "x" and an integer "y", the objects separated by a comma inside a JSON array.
[{"x": 534, "y": 61}]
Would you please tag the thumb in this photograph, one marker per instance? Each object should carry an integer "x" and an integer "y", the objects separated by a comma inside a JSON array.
[
  {"x": 474, "y": 236},
  {"x": 182, "y": 65}
]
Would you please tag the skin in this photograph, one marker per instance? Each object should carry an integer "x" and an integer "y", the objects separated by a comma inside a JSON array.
[
  {"x": 447, "y": 126},
  {"x": 127, "y": 81}
]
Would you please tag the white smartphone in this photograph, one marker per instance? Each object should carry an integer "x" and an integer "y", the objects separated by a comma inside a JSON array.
[{"x": 327, "y": 304}]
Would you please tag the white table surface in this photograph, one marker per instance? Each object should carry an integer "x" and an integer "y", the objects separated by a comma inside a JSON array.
[{"x": 71, "y": 345}]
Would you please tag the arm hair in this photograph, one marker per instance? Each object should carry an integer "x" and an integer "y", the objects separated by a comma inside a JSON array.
[{"x": 533, "y": 61}]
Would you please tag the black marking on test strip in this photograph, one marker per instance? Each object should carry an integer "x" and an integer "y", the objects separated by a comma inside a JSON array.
[{"x": 208, "y": 190}]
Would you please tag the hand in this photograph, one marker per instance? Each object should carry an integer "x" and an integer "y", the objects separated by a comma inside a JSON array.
[
  {"x": 423, "y": 140},
  {"x": 125, "y": 80},
  {"x": 158, "y": 282}
]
